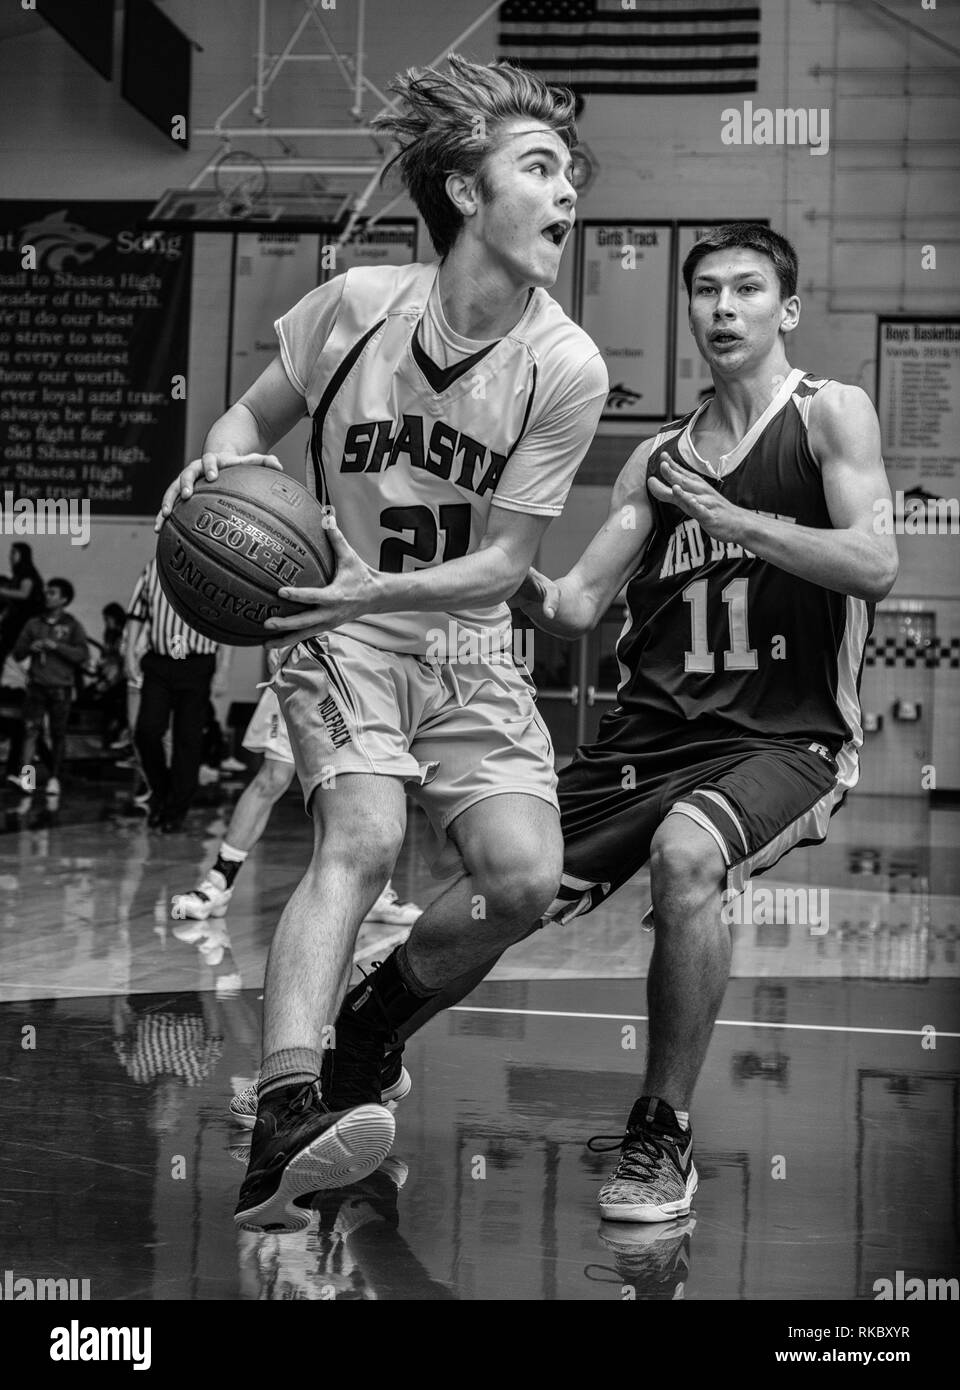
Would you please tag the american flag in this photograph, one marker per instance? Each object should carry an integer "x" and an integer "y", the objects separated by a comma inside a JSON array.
[{"x": 634, "y": 46}]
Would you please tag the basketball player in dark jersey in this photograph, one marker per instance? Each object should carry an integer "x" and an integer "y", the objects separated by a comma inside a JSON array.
[{"x": 746, "y": 533}]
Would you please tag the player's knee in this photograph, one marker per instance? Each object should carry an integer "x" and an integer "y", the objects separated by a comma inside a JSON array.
[
  {"x": 683, "y": 871},
  {"x": 365, "y": 846},
  {"x": 272, "y": 779},
  {"x": 519, "y": 889}
]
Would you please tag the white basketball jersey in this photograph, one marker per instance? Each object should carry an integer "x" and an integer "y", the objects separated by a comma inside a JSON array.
[{"x": 411, "y": 455}]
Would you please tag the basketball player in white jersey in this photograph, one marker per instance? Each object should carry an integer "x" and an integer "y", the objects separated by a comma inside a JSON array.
[{"x": 452, "y": 403}]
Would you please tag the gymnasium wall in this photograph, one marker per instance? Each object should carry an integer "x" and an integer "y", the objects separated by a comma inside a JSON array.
[{"x": 858, "y": 215}]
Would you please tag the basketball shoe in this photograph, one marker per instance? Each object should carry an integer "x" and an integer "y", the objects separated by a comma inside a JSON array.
[
  {"x": 211, "y": 899},
  {"x": 299, "y": 1147},
  {"x": 395, "y": 1085},
  {"x": 655, "y": 1179},
  {"x": 367, "y": 1058},
  {"x": 359, "y": 1070}
]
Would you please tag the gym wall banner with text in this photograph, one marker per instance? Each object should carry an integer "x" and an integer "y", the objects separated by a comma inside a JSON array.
[
  {"x": 625, "y": 302},
  {"x": 918, "y": 402},
  {"x": 271, "y": 272},
  {"x": 92, "y": 339}
]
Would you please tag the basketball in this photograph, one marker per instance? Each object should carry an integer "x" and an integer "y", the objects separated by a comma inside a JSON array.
[{"x": 223, "y": 554}]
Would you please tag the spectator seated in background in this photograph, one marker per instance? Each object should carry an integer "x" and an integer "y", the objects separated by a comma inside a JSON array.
[
  {"x": 21, "y": 598},
  {"x": 56, "y": 646}
]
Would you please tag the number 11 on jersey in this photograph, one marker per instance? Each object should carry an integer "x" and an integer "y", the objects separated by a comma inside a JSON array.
[{"x": 739, "y": 656}]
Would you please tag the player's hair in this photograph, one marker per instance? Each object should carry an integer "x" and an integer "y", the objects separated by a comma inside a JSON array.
[
  {"x": 65, "y": 587},
  {"x": 448, "y": 123},
  {"x": 747, "y": 236}
]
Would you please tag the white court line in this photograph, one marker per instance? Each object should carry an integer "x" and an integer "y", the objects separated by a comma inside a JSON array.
[{"x": 721, "y": 1022}]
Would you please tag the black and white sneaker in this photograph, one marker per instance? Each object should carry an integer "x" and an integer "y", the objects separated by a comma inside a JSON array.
[
  {"x": 210, "y": 899},
  {"x": 395, "y": 1085},
  {"x": 655, "y": 1179},
  {"x": 300, "y": 1147}
]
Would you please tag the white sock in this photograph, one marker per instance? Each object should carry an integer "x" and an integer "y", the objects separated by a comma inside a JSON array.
[
  {"x": 236, "y": 856},
  {"x": 683, "y": 1118}
]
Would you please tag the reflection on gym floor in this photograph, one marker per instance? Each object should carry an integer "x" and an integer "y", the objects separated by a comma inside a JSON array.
[{"x": 825, "y": 1124}]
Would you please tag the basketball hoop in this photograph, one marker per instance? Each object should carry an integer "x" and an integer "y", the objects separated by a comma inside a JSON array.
[{"x": 242, "y": 182}]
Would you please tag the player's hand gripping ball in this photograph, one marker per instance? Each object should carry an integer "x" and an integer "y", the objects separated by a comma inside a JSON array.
[{"x": 224, "y": 552}]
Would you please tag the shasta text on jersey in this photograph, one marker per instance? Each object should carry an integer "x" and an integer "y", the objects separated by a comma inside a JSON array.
[{"x": 373, "y": 445}]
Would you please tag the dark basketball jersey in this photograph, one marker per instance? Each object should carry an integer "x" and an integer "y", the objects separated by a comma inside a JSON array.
[{"x": 717, "y": 635}]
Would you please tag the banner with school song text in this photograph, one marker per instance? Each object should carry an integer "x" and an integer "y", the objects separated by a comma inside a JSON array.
[{"x": 94, "y": 335}]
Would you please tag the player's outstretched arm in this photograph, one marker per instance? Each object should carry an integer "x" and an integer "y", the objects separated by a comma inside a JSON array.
[
  {"x": 244, "y": 434},
  {"x": 571, "y": 606},
  {"x": 486, "y": 576},
  {"x": 852, "y": 556}
]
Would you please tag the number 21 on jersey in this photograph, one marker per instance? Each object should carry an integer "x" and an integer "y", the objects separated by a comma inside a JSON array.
[{"x": 452, "y": 519}]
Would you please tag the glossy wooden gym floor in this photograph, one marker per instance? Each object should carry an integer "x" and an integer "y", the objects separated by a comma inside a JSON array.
[{"x": 825, "y": 1124}]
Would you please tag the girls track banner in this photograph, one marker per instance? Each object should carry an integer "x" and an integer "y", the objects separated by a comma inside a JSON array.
[
  {"x": 625, "y": 304},
  {"x": 94, "y": 337}
]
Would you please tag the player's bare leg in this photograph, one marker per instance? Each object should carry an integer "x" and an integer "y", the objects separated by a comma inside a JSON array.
[
  {"x": 358, "y": 831},
  {"x": 255, "y": 807},
  {"x": 250, "y": 818},
  {"x": 300, "y": 1145},
  {"x": 655, "y": 1179},
  {"x": 512, "y": 850},
  {"x": 691, "y": 957}
]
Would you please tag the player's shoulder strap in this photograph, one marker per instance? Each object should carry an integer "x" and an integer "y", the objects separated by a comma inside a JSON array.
[
  {"x": 670, "y": 430},
  {"x": 547, "y": 328},
  {"x": 372, "y": 293},
  {"x": 805, "y": 392}
]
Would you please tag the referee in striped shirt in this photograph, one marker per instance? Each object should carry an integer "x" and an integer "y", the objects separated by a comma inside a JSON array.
[{"x": 173, "y": 668}]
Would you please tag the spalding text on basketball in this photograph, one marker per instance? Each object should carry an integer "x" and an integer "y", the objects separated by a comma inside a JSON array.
[{"x": 188, "y": 573}]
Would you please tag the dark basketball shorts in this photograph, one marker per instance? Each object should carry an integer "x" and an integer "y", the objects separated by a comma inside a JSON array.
[{"x": 756, "y": 798}]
